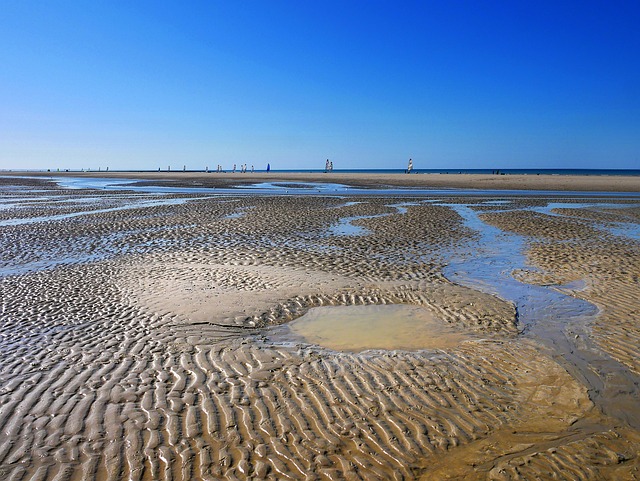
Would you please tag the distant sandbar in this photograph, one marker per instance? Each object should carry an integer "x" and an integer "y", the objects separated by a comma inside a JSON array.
[{"x": 583, "y": 183}]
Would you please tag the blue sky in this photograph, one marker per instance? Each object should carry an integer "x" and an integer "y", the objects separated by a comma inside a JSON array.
[{"x": 455, "y": 84}]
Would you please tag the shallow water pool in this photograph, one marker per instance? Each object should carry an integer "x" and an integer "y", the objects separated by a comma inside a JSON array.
[{"x": 390, "y": 327}]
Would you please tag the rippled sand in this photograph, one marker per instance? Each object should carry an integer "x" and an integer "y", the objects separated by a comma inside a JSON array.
[{"x": 138, "y": 343}]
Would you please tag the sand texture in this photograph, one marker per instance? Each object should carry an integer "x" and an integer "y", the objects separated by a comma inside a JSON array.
[{"x": 145, "y": 336}]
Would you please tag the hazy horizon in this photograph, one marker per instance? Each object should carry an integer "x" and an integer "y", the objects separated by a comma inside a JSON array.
[{"x": 461, "y": 85}]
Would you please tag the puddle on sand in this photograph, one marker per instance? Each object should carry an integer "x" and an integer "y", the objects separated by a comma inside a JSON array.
[
  {"x": 358, "y": 328},
  {"x": 345, "y": 227},
  {"x": 135, "y": 204}
]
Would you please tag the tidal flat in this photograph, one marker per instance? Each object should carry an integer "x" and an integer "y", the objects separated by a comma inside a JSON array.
[{"x": 151, "y": 334}]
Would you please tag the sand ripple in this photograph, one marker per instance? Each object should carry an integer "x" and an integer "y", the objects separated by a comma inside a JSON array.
[
  {"x": 135, "y": 344},
  {"x": 117, "y": 398}
]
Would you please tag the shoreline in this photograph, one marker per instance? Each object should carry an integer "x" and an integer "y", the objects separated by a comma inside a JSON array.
[{"x": 542, "y": 182}]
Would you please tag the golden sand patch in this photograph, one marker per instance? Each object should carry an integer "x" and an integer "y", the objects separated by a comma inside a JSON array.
[{"x": 548, "y": 402}]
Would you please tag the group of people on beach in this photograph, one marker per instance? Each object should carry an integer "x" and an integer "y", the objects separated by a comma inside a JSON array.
[
  {"x": 328, "y": 166},
  {"x": 243, "y": 168}
]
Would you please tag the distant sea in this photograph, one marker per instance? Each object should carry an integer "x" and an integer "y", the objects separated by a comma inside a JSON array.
[{"x": 621, "y": 172}]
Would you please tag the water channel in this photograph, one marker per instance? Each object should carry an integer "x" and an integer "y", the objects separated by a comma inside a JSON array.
[{"x": 549, "y": 314}]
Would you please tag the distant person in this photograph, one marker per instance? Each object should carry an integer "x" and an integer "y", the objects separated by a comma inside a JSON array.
[
  {"x": 252, "y": 168},
  {"x": 268, "y": 167},
  {"x": 234, "y": 168},
  {"x": 331, "y": 166},
  {"x": 326, "y": 166}
]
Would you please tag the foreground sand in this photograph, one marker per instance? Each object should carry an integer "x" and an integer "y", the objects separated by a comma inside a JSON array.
[{"x": 138, "y": 343}]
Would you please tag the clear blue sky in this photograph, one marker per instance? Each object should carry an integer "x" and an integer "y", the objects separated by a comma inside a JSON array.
[{"x": 368, "y": 84}]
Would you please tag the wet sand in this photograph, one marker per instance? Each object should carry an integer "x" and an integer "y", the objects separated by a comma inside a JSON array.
[
  {"x": 143, "y": 343},
  {"x": 595, "y": 183}
]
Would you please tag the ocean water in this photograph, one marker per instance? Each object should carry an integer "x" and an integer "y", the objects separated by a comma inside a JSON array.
[{"x": 622, "y": 172}]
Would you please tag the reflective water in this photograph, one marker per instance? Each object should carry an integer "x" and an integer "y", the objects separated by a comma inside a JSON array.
[
  {"x": 624, "y": 229},
  {"x": 346, "y": 227},
  {"x": 91, "y": 182},
  {"x": 489, "y": 269},
  {"x": 139, "y": 204},
  {"x": 549, "y": 314},
  {"x": 358, "y": 328},
  {"x": 40, "y": 265},
  {"x": 295, "y": 186},
  {"x": 238, "y": 214}
]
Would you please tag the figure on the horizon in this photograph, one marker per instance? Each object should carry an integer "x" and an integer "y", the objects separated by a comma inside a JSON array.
[
  {"x": 331, "y": 166},
  {"x": 252, "y": 168},
  {"x": 268, "y": 167},
  {"x": 326, "y": 166},
  {"x": 410, "y": 167},
  {"x": 234, "y": 168}
]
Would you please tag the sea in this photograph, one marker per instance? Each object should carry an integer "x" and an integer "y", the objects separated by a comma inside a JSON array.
[
  {"x": 621, "y": 172},
  {"x": 617, "y": 172}
]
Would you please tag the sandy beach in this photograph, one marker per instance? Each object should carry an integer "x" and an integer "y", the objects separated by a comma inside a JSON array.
[
  {"x": 149, "y": 336},
  {"x": 595, "y": 183}
]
